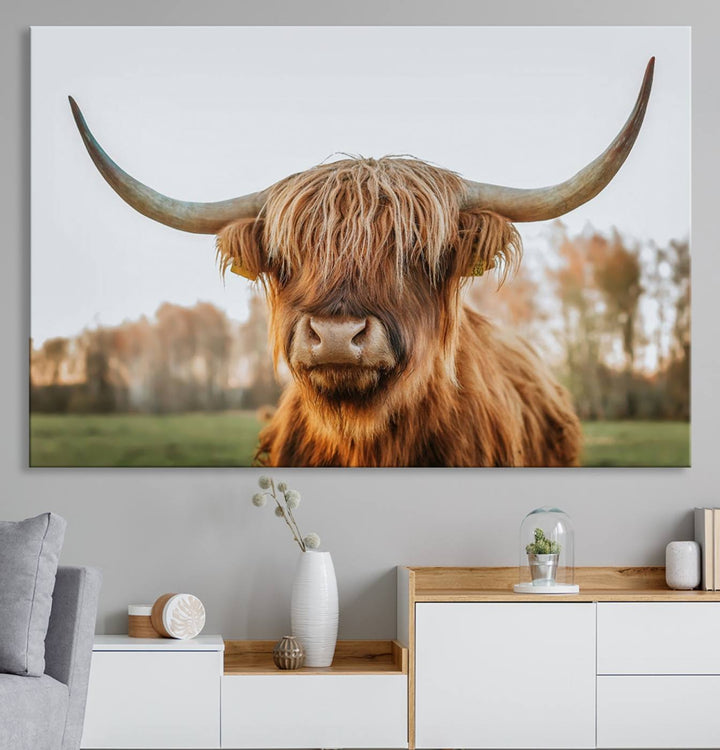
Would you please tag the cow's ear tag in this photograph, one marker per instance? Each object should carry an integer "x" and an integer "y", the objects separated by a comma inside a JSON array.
[
  {"x": 479, "y": 268},
  {"x": 240, "y": 270}
]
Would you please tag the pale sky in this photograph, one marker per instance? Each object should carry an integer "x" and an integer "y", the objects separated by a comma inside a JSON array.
[{"x": 212, "y": 113}]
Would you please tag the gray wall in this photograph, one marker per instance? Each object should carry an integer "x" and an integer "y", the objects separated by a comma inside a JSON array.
[{"x": 153, "y": 531}]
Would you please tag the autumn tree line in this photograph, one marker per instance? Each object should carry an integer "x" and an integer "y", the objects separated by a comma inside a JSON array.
[
  {"x": 185, "y": 359},
  {"x": 610, "y": 316}
]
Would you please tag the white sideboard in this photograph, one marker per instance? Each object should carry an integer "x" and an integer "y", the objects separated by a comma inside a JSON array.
[
  {"x": 154, "y": 693},
  {"x": 206, "y": 693},
  {"x": 627, "y": 663}
]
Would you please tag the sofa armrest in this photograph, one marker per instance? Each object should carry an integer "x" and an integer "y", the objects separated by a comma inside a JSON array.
[{"x": 69, "y": 641}]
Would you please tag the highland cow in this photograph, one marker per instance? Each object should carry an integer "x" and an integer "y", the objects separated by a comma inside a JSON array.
[{"x": 363, "y": 262}]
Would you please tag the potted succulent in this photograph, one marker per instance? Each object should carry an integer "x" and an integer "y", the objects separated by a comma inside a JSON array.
[{"x": 543, "y": 555}]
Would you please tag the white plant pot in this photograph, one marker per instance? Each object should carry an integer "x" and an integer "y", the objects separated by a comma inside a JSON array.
[{"x": 314, "y": 607}]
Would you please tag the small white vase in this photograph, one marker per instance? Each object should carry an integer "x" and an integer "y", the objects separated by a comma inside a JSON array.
[
  {"x": 682, "y": 565},
  {"x": 314, "y": 607}
]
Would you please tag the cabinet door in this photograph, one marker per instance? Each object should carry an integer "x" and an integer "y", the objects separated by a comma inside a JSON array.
[
  {"x": 310, "y": 711},
  {"x": 505, "y": 675},
  {"x": 153, "y": 699},
  {"x": 658, "y": 711},
  {"x": 658, "y": 638}
]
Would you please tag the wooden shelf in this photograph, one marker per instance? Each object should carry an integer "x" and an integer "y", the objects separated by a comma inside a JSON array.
[
  {"x": 585, "y": 595},
  {"x": 351, "y": 657},
  {"x": 601, "y": 584}
]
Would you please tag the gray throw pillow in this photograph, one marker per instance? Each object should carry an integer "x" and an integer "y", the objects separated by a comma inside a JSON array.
[{"x": 29, "y": 552}]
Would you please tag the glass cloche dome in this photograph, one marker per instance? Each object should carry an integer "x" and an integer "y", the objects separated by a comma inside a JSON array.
[{"x": 547, "y": 553}]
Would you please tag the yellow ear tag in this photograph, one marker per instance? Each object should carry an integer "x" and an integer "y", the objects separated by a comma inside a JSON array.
[
  {"x": 240, "y": 270},
  {"x": 478, "y": 269}
]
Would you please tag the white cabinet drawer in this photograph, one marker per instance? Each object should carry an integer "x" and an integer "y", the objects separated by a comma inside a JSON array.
[
  {"x": 659, "y": 638},
  {"x": 502, "y": 675},
  {"x": 311, "y": 711},
  {"x": 658, "y": 711},
  {"x": 153, "y": 699}
]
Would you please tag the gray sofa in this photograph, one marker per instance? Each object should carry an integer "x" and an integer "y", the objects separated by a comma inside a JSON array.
[{"x": 46, "y": 712}]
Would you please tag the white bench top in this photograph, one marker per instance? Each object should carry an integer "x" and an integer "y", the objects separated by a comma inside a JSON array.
[{"x": 126, "y": 643}]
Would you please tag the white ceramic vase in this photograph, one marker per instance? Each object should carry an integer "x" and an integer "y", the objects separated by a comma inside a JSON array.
[
  {"x": 682, "y": 565},
  {"x": 314, "y": 607}
]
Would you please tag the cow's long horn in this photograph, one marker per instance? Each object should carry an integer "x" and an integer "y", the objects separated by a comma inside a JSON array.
[
  {"x": 545, "y": 203},
  {"x": 201, "y": 218}
]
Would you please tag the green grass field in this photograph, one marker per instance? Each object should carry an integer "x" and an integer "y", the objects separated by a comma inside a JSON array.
[
  {"x": 197, "y": 439},
  {"x": 636, "y": 444},
  {"x": 229, "y": 438}
]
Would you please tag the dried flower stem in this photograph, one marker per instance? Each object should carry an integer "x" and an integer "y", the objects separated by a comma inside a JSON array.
[
  {"x": 297, "y": 536},
  {"x": 297, "y": 528},
  {"x": 286, "y": 500}
]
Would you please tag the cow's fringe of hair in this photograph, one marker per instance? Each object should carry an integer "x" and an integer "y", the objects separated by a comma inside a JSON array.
[{"x": 355, "y": 212}]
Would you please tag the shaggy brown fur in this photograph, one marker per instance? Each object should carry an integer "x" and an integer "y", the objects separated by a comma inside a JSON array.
[{"x": 386, "y": 238}]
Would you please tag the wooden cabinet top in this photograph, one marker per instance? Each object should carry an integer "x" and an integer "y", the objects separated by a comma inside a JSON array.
[
  {"x": 597, "y": 584},
  {"x": 351, "y": 658}
]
